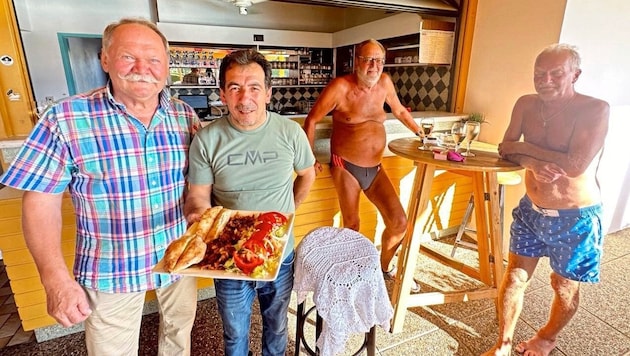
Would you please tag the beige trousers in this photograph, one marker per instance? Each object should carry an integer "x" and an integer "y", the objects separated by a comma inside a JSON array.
[{"x": 113, "y": 328}]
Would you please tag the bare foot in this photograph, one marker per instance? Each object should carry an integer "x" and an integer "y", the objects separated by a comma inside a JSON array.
[
  {"x": 536, "y": 346},
  {"x": 503, "y": 349}
]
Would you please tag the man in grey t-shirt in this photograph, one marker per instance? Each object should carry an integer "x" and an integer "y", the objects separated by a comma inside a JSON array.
[{"x": 246, "y": 162}]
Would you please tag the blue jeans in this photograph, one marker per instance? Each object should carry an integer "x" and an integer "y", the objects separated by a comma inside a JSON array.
[{"x": 235, "y": 299}]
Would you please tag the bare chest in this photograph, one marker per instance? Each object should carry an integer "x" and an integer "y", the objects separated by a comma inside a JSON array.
[
  {"x": 552, "y": 132},
  {"x": 360, "y": 106}
]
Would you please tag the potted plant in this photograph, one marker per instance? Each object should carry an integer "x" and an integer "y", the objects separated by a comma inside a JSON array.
[{"x": 476, "y": 116}]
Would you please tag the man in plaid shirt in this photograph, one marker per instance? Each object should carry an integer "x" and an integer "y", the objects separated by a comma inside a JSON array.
[{"x": 122, "y": 153}]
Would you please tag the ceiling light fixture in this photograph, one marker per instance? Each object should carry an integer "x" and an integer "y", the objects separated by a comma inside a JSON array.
[{"x": 243, "y": 5}]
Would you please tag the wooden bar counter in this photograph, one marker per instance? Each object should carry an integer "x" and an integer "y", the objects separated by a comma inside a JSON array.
[{"x": 483, "y": 169}]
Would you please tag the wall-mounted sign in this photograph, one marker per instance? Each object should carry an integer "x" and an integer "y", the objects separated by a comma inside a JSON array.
[
  {"x": 436, "y": 46},
  {"x": 13, "y": 96},
  {"x": 6, "y": 60}
]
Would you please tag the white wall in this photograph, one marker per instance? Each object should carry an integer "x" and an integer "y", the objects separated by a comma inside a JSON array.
[
  {"x": 600, "y": 29},
  {"x": 177, "y": 32},
  {"x": 45, "y": 18},
  {"x": 393, "y": 26}
]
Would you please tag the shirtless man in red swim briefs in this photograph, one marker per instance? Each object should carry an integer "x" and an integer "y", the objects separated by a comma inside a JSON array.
[{"x": 357, "y": 143}]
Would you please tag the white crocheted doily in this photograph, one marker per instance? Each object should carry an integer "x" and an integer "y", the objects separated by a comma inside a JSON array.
[{"x": 342, "y": 269}]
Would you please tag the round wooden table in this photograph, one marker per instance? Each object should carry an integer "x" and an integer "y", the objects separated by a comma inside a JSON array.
[{"x": 483, "y": 169}]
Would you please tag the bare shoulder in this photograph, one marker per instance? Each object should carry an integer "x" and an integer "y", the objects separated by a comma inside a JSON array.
[
  {"x": 385, "y": 79},
  {"x": 592, "y": 107},
  {"x": 341, "y": 83},
  {"x": 526, "y": 101}
]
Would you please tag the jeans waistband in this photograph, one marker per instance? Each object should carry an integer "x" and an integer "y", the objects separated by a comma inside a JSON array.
[{"x": 564, "y": 212}]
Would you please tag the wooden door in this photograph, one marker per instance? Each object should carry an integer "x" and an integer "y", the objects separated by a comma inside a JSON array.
[{"x": 17, "y": 104}]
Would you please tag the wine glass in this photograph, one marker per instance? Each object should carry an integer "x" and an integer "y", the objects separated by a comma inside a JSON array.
[
  {"x": 427, "y": 127},
  {"x": 472, "y": 131},
  {"x": 458, "y": 133}
]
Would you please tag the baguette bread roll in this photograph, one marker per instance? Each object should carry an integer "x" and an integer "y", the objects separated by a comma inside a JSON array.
[
  {"x": 207, "y": 220},
  {"x": 176, "y": 248},
  {"x": 194, "y": 253},
  {"x": 219, "y": 223}
]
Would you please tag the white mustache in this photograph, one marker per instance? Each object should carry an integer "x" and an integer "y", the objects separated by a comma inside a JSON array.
[{"x": 133, "y": 77}]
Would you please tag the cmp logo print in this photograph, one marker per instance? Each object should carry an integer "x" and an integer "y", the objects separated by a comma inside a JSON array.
[{"x": 251, "y": 158}]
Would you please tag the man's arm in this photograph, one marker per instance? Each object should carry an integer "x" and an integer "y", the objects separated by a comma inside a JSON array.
[
  {"x": 326, "y": 102},
  {"x": 197, "y": 201},
  {"x": 302, "y": 185},
  {"x": 41, "y": 224},
  {"x": 542, "y": 171},
  {"x": 398, "y": 110},
  {"x": 587, "y": 139}
]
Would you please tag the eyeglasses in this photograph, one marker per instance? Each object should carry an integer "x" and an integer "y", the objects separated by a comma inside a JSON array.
[{"x": 377, "y": 61}]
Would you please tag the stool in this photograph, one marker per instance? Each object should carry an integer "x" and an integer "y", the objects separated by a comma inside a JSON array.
[
  {"x": 369, "y": 342},
  {"x": 342, "y": 269},
  {"x": 503, "y": 178}
]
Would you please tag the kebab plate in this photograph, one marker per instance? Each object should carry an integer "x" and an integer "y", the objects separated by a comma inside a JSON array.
[{"x": 231, "y": 244}]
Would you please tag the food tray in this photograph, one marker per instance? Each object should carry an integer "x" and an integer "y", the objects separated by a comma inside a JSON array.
[{"x": 222, "y": 274}]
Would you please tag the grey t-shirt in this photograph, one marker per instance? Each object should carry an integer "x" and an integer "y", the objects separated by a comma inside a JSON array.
[{"x": 251, "y": 170}]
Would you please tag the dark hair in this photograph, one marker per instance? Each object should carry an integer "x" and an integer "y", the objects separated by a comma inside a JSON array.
[{"x": 242, "y": 58}]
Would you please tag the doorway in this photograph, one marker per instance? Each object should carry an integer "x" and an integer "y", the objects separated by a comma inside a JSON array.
[{"x": 80, "y": 55}]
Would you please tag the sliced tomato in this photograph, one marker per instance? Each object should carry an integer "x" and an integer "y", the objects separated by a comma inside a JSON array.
[
  {"x": 247, "y": 260},
  {"x": 264, "y": 227},
  {"x": 273, "y": 217},
  {"x": 256, "y": 242},
  {"x": 259, "y": 245}
]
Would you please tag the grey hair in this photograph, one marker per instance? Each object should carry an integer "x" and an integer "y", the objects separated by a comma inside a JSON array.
[
  {"x": 574, "y": 56},
  {"x": 372, "y": 41},
  {"x": 108, "y": 33}
]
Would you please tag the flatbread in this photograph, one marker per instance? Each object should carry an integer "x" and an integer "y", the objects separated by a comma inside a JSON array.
[
  {"x": 194, "y": 253},
  {"x": 176, "y": 248},
  {"x": 196, "y": 232},
  {"x": 207, "y": 220},
  {"x": 219, "y": 223}
]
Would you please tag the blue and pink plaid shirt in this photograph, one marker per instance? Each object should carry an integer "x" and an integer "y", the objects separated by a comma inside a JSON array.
[{"x": 126, "y": 181}]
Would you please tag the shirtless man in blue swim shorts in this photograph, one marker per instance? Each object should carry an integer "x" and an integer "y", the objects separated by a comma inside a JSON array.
[
  {"x": 560, "y": 216},
  {"x": 357, "y": 143}
]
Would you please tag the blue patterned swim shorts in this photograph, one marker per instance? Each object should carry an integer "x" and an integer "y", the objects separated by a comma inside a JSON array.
[{"x": 572, "y": 238}]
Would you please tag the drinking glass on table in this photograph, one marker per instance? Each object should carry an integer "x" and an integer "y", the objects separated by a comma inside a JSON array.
[
  {"x": 458, "y": 134},
  {"x": 472, "y": 131},
  {"x": 427, "y": 127}
]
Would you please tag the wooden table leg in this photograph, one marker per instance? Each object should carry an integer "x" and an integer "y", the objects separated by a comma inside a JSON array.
[
  {"x": 481, "y": 221},
  {"x": 496, "y": 240},
  {"x": 407, "y": 258}
]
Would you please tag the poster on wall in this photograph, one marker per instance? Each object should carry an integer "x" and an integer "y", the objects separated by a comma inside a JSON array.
[{"x": 436, "y": 46}]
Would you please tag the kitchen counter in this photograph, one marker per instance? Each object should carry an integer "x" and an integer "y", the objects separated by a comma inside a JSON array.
[{"x": 393, "y": 128}]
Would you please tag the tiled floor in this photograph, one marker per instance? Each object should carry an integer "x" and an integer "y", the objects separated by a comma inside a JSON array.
[{"x": 600, "y": 327}]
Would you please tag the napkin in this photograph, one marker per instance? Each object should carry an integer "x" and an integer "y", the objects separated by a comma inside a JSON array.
[{"x": 455, "y": 156}]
